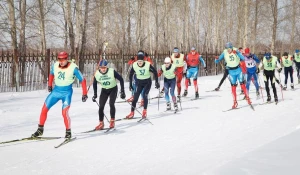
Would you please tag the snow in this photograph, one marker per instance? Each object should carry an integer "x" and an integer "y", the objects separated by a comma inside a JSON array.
[{"x": 199, "y": 140}]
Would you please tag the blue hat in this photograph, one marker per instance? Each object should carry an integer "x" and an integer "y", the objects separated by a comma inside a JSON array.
[
  {"x": 176, "y": 50},
  {"x": 193, "y": 48},
  {"x": 297, "y": 51},
  {"x": 228, "y": 45},
  {"x": 103, "y": 63},
  {"x": 268, "y": 55}
]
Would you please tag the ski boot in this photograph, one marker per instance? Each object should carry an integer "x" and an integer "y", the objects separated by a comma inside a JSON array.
[
  {"x": 235, "y": 104},
  {"x": 144, "y": 114},
  {"x": 39, "y": 131},
  {"x": 130, "y": 99},
  {"x": 100, "y": 126},
  {"x": 269, "y": 99},
  {"x": 131, "y": 115},
  {"x": 185, "y": 93},
  {"x": 257, "y": 93},
  {"x": 112, "y": 123},
  {"x": 68, "y": 134},
  {"x": 217, "y": 89},
  {"x": 178, "y": 98},
  {"x": 175, "y": 107},
  {"x": 196, "y": 95},
  {"x": 284, "y": 87},
  {"x": 292, "y": 86},
  {"x": 168, "y": 106},
  {"x": 276, "y": 99}
]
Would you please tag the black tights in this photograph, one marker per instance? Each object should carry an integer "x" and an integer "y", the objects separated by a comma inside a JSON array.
[{"x": 112, "y": 94}]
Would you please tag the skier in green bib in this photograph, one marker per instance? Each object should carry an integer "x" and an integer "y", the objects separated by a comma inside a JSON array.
[
  {"x": 297, "y": 62},
  {"x": 142, "y": 70},
  {"x": 169, "y": 72},
  {"x": 269, "y": 63},
  {"x": 287, "y": 62},
  {"x": 107, "y": 79}
]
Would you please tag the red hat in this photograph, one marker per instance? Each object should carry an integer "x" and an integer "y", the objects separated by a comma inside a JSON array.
[
  {"x": 247, "y": 50},
  {"x": 63, "y": 55}
]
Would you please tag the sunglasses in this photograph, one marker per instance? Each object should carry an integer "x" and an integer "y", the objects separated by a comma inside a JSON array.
[
  {"x": 168, "y": 63},
  {"x": 62, "y": 59},
  {"x": 102, "y": 67}
]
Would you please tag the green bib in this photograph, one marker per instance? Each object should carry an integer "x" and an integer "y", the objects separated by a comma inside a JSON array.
[
  {"x": 178, "y": 62},
  {"x": 270, "y": 65},
  {"x": 64, "y": 77},
  {"x": 231, "y": 59},
  {"x": 287, "y": 62},
  {"x": 142, "y": 73},
  {"x": 169, "y": 74},
  {"x": 107, "y": 80},
  {"x": 297, "y": 58}
]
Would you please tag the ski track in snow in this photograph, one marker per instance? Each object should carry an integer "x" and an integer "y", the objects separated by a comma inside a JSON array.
[{"x": 200, "y": 139}]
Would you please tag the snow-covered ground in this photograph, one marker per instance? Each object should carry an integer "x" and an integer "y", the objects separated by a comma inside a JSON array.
[{"x": 199, "y": 140}]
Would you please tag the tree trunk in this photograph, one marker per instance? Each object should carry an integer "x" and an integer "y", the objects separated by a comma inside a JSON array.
[
  {"x": 79, "y": 23},
  {"x": 22, "y": 43},
  {"x": 13, "y": 34},
  {"x": 274, "y": 5},
  {"x": 293, "y": 25},
  {"x": 83, "y": 40},
  {"x": 129, "y": 27},
  {"x": 70, "y": 26},
  {"x": 254, "y": 33},
  {"x": 246, "y": 14},
  {"x": 42, "y": 27}
]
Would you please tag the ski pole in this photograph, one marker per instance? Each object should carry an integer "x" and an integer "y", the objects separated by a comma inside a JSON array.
[
  {"x": 158, "y": 100},
  {"x": 103, "y": 113},
  {"x": 134, "y": 108}
]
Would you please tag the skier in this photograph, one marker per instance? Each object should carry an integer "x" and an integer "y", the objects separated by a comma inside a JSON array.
[
  {"x": 130, "y": 62},
  {"x": 168, "y": 70},
  {"x": 297, "y": 62},
  {"x": 178, "y": 60},
  {"x": 107, "y": 79},
  {"x": 193, "y": 60},
  {"x": 142, "y": 70},
  {"x": 62, "y": 72},
  {"x": 287, "y": 62},
  {"x": 250, "y": 61},
  {"x": 269, "y": 63},
  {"x": 232, "y": 57}
]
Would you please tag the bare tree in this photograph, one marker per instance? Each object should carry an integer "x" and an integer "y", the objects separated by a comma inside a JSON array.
[
  {"x": 68, "y": 11},
  {"x": 274, "y": 4},
  {"x": 42, "y": 26}
]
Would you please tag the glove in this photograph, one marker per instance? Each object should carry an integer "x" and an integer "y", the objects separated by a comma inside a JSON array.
[
  {"x": 122, "y": 94},
  {"x": 130, "y": 87},
  {"x": 84, "y": 98},
  {"x": 94, "y": 98},
  {"x": 49, "y": 88},
  {"x": 257, "y": 71},
  {"x": 157, "y": 85},
  {"x": 205, "y": 69},
  {"x": 279, "y": 70}
]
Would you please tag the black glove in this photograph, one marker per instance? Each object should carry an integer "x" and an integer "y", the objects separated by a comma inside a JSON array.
[
  {"x": 84, "y": 98},
  {"x": 279, "y": 70},
  {"x": 157, "y": 85},
  {"x": 94, "y": 98},
  {"x": 122, "y": 94},
  {"x": 130, "y": 87},
  {"x": 257, "y": 70},
  {"x": 49, "y": 88}
]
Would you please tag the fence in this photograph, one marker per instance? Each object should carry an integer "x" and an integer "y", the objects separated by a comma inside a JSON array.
[{"x": 34, "y": 68}]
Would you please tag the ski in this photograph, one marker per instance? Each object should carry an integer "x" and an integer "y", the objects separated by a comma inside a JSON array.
[
  {"x": 127, "y": 118},
  {"x": 144, "y": 119},
  {"x": 265, "y": 103},
  {"x": 30, "y": 138},
  {"x": 110, "y": 130},
  {"x": 230, "y": 109},
  {"x": 68, "y": 140},
  {"x": 93, "y": 130},
  {"x": 195, "y": 99},
  {"x": 211, "y": 91}
]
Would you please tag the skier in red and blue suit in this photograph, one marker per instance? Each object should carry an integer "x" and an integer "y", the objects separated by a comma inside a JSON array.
[
  {"x": 193, "y": 60},
  {"x": 63, "y": 72}
]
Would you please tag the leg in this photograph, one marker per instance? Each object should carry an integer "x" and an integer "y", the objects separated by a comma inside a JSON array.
[
  {"x": 291, "y": 75},
  {"x": 112, "y": 99},
  {"x": 49, "y": 102},
  {"x": 172, "y": 90},
  {"x": 223, "y": 78},
  {"x": 272, "y": 79},
  {"x": 266, "y": 80},
  {"x": 102, "y": 101},
  {"x": 166, "y": 90},
  {"x": 136, "y": 97},
  {"x": 146, "y": 92},
  {"x": 178, "y": 81},
  {"x": 286, "y": 71},
  {"x": 233, "y": 80},
  {"x": 249, "y": 78},
  {"x": 66, "y": 101}
]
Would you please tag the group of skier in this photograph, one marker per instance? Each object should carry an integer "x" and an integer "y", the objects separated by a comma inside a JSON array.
[{"x": 240, "y": 66}]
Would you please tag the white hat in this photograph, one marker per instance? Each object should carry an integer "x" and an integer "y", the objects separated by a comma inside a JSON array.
[{"x": 167, "y": 60}]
